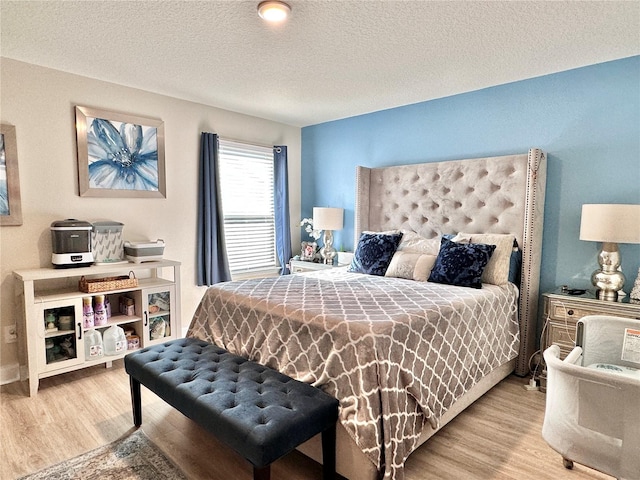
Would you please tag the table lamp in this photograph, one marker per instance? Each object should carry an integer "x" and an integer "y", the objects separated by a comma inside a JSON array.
[
  {"x": 328, "y": 219},
  {"x": 610, "y": 224}
]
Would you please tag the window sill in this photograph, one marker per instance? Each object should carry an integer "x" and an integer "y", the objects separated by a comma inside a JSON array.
[{"x": 264, "y": 273}]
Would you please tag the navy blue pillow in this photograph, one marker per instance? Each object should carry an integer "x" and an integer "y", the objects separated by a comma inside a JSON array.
[
  {"x": 515, "y": 267},
  {"x": 461, "y": 264},
  {"x": 374, "y": 252}
]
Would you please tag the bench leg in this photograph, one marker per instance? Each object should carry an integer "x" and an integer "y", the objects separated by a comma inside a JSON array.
[
  {"x": 262, "y": 473},
  {"x": 329, "y": 453},
  {"x": 136, "y": 401}
]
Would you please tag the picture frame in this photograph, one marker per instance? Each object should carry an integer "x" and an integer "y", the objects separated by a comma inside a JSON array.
[
  {"x": 119, "y": 155},
  {"x": 308, "y": 251},
  {"x": 10, "y": 204}
]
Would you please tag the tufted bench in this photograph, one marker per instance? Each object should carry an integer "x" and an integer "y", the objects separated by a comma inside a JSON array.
[{"x": 259, "y": 412}]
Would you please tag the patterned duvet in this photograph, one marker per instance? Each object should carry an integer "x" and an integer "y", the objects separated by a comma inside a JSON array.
[{"x": 396, "y": 353}]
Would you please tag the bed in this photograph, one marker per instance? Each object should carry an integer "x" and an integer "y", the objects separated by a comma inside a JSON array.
[{"x": 402, "y": 356}]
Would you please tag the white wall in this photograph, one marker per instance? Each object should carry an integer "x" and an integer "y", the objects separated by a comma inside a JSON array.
[{"x": 40, "y": 103}]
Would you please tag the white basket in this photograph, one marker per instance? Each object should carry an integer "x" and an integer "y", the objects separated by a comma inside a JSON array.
[{"x": 107, "y": 243}]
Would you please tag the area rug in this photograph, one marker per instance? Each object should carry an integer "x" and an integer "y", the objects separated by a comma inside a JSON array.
[{"x": 133, "y": 457}]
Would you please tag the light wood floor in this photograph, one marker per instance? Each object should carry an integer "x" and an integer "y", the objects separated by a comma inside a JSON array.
[{"x": 498, "y": 437}]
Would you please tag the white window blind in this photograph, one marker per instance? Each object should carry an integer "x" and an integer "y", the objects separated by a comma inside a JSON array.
[{"x": 247, "y": 186}]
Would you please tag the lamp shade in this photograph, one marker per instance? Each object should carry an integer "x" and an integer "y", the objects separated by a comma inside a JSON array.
[
  {"x": 615, "y": 223},
  {"x": 327, "y": 218}
]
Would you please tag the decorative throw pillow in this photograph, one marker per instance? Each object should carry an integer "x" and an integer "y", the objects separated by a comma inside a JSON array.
[
  {"x": 412, "y": 266},
  {"x": 416, "y": 243},
  {"x": 497, "y": 270},
  {"x": 461, "y": 264},
  {"x": 374, "y": 252},
  {"x": 515, "y": 267}
]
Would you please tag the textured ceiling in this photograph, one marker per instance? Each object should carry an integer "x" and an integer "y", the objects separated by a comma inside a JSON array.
[{"x": 332, "y": 59}]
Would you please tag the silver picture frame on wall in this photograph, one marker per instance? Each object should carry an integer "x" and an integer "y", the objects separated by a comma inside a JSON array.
[
  {"x": 10, "y": 204},
  {"x": 119, "y": 155}
]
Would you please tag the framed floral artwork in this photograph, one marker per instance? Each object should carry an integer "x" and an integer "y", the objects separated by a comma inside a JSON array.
[
  {"x": 308, "y": 251},
  {"x": 10, "y": 206},
  {"x": 119, "y": 155}
]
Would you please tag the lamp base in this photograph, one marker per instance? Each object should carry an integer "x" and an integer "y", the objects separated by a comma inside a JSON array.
[
  {"x": 609, "y": 280},
  {"x": 607, "y": 295},
  {"x": 327, "y": 251}
]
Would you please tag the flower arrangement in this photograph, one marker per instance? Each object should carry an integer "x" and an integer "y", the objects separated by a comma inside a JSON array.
[{"x": 307, "y": 223}]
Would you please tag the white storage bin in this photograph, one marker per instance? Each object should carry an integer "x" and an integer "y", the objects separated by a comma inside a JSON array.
[
  {"x": 593, "y": 397},
  {"x": 138, "y": 252},
  {"x": 107, "y": 245}
]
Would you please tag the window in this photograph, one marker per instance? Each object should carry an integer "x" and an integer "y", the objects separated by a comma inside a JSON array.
[{"x": 246, "y": 187}]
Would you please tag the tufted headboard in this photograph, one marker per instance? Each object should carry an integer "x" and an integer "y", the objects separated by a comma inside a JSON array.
[{"x": 482, "y": 195}]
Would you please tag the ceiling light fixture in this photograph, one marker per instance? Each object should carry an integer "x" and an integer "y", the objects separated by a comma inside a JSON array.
[{"x": 273, "y": 11}]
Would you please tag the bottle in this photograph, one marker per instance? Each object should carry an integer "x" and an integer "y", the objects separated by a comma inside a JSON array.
[
  {"x": 93, "y": 345},
  {"x": 88, "y": 317},
  {"x": 100, "y": 312},
  {"x": 49, "y": 349},
  {"x": 115, "y": 342},
  {"x": 107, "y": 306},
  {"x": 51, "y": 322}
]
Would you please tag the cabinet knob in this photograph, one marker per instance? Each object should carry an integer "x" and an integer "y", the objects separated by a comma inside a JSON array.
[{"x": 569, "y": 312}]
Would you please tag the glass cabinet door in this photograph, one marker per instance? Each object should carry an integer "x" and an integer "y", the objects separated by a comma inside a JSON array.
[
  {"x": 60, "y": 334},
  {"x": 158, "y": 319}
]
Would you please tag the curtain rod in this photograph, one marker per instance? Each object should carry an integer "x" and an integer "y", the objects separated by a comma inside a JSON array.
[{"x": 245, "y": 142}]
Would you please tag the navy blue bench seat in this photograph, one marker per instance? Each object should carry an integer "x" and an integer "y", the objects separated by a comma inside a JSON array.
[{"x": 257, "y": 411}]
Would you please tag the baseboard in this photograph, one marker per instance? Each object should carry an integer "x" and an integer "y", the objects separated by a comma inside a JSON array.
[{"x": 9, "y": 373}]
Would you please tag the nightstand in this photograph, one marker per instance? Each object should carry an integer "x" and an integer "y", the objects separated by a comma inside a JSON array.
[
  {"x": 562, "y": 312},
  {"x": 299, "y": 266}
]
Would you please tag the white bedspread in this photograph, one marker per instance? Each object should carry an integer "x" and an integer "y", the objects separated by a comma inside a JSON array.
[{"x": 396, "y": 353}]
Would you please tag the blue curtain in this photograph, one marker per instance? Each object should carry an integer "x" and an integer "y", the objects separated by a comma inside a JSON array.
[
  {"x": 212, "y": 262},
  {"x": 281, "y": 200}
]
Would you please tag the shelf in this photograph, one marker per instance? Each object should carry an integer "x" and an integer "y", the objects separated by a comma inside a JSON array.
[
  {"x": 58, "y": 333},
  {"x": 116, "y": 320},
  {"x": 105, "y": 360},
  {"x": 67, "y": 293},
  {"x": 59, "y": 360},
  {"x": 109, "y": 358},
  {"x": 50, "y": 273}
]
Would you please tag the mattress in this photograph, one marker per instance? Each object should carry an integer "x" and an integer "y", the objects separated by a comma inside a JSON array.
[{"x": 396, "y": 353}]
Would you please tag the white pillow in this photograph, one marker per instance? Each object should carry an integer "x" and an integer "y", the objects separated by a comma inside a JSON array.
[
  {"x": 415, "y": 243},
  {"x": 497, "y": 270},
  {"x": 412, "y": 266}
]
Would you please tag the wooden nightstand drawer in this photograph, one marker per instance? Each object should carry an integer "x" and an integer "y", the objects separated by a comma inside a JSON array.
[
  {"x": 562, "y": 312},
  {"x": 299, "y": 266},
  {"x": 561, "y": 335}
]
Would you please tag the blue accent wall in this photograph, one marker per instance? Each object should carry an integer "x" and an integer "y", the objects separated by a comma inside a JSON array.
[{"x": 587, "y": 120}]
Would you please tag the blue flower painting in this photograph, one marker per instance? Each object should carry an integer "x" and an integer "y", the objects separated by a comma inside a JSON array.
[
  {"x": 122, "y": 156},
  {"x": 4, "y": 190}
]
